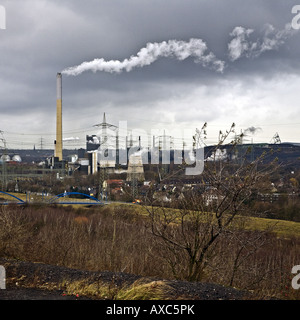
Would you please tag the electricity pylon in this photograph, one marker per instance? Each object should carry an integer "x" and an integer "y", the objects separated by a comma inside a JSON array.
[{"x": 4, "y": 169}]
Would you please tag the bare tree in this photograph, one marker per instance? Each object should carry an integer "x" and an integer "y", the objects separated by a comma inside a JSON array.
[{"x": 191, "y": 226}]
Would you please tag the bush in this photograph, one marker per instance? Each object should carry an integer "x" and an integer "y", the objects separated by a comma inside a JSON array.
[{"x": 116, "y": 239}]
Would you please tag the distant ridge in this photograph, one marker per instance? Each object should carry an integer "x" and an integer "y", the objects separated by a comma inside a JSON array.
[{"x": 294, "y": 143}]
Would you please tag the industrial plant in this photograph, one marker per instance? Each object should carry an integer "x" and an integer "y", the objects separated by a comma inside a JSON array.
[{"x": 120, "y": 161}]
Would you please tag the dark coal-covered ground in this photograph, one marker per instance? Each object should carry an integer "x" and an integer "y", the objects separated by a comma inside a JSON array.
[{"x": 32, "y": 281}]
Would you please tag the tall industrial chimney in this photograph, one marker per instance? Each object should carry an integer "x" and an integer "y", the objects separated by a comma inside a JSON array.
[{"x": 58, "y": 141}]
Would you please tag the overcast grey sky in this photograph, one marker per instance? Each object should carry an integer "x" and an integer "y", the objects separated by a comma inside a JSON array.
[{"x": 258, "y": 85}]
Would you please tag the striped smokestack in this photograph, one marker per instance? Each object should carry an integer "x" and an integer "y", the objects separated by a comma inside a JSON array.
[{"x": 58, "y": 142}]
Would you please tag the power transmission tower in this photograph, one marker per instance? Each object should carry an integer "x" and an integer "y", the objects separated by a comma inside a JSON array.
[
  {"x": 134, "y": 188},
  {"x": 41, "y": 143},
  {"x": 102, "y": 178},
  {"x": 4, "y": 158},
  {"x": 276, "y": 139},
  {"x": 164, "y": 148},
  {"x": 104, "y": 151}
]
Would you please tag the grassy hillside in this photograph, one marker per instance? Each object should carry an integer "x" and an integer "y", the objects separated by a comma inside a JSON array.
[{"x": 282, "y": 228}]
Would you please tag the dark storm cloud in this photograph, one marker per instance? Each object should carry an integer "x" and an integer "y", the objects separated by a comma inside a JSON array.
[{"x": 44, "y": 37}]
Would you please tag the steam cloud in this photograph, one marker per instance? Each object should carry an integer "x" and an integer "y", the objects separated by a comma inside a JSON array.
[
  {"x": 241, "y": 45},
  {"x": 272, "y": 39},
  {"x": 71, "y": 139},
  {"x": 252, "y": 130},
  {"x": 181, "y": 50}
]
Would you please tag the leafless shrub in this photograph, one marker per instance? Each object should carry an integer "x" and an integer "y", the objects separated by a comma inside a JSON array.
[
  {"x": 13, "y": 235},
  {"x": 111, "y": 239}
]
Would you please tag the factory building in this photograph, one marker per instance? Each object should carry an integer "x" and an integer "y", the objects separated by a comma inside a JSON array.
[{"x": 135, "y": 170}]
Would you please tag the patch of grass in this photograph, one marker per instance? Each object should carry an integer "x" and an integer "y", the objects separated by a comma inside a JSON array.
[
  {"x": 282, "y": 228},
  {"x": 95, "y": 290},
  {"x": 21, "y": 196},
  {"x": 142, "y": 289}
]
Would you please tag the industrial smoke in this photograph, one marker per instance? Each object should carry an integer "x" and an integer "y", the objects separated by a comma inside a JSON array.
[
  {"x": 240, "y": 46},
  {"x": 252, "y": 130},
  {"x": 181, "y": 50}
]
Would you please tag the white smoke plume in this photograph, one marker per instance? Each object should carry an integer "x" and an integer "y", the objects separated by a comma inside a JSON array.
[
  {"x": 181, "y": 50},
  {"x": 252, "y": 130},
  {"x": 71, "y": 139},
  {"x": 272, "y": 39}
]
